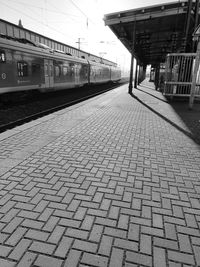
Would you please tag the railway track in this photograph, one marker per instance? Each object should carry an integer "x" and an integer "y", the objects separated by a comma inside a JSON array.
[{"x": 14, "y": 118}]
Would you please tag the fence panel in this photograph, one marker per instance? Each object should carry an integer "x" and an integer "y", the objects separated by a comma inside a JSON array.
[{"x": 178, "y": 74}]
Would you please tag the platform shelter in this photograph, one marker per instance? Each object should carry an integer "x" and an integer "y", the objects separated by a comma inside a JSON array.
[{"x": 152, "y": 32}]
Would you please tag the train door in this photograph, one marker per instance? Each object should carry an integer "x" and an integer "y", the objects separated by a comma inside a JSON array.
[
  {"x": 48, "y": 71},
  {"x": 77, "y": 74}
]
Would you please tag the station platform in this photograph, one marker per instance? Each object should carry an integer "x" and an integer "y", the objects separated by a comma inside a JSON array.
[{"x": 112, "y": 181}]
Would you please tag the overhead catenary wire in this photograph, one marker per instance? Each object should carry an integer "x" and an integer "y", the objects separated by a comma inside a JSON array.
[
  {"x": 88, "y": 19},
  {"x": 34, "y": 19},
  {"x": 47, "y": 9}
]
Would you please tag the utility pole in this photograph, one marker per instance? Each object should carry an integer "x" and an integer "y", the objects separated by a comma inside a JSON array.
[{"x": 79, "y": 43}]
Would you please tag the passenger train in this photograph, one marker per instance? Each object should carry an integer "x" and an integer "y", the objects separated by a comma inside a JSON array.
[{"x": 25, "y": 65}]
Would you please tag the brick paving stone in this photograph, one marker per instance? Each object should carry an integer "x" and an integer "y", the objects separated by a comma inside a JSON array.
[
  {"x": 105, "y": 245},
  {"x": 159, "y": 258},
  {"x": 123, "y": 222},
  {"x": 16, "y": 236},
  {"x": 63, "y": 247},
  {"x": 46, "y": 261},
  {"x": 73, "y": 258},
  {"x": 80, "y": 213},
  {"x": 146, "y": 244},
  {"x": 197, "y": 254},
  {"x": 76, "y": 233},
  {"x": 10, "y": 215},
  {"x": 184, "y": 243},
  {"x": 181, "y": 257},
  {"x": 32, "y": 224},
  {"x": 27, "y": 260},
  {"x": 94, "y": 260},
  {"x": 152, "y": 231},
  {"x": 170, "y": 231},
  {"x": 7, "y": 263},
  {"x": 139, "y": 258},
  {"x": 70, "y": 223},
  {"x": 115, "y": 232},
  {"x": 56, "y": 234},
  {"x": 116, "y": 259},
  {"x": 41, "y": 247},
  {"x": 85, "y": 246},
  {"x": 165, "y": 243},
  {"x": 141, "y": 221},
  {"x": 19, "y": 250},
  {"x": 3, "y": 237},
  {"x": 44, "y": 216},
  {"x": 105, "y": 221},
  {"x": 134, "y": 232},
  {"x": 126, "y": 244},
  {"x": 4, "y": 250},
  {"x": 114, "y": 212},
  {"x": 130, "y": 265},
  {"x": 50, "y": 224},
  {"x": 96, "y": 233},
  {"x": 191, "y": 221},
  {"x": 12, "y": 225},
  {"x": 189, "y": 231},
  {"x": 36, "y": 235},
  {"x": 174, "y": 264}
]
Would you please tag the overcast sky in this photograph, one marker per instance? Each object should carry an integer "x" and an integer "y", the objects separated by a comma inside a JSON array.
[{"x": 68, "y": 20}]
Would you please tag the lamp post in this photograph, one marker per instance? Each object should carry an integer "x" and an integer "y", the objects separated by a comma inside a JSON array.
[{"x": 196, "y": 36}]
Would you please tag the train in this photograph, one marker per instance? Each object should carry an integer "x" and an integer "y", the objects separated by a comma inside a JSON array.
[{"x": 27, "y": 65}]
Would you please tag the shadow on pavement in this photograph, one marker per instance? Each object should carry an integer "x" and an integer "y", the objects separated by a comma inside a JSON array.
[
  {"x": 164, "y": 100},
  {"x": 191, "y": 118}
]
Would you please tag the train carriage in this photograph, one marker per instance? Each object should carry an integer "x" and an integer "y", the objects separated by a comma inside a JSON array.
[{"x": 26, "y": 66}]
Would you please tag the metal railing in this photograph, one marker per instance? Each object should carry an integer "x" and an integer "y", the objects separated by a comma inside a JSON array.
[{"x": 179, "y": 69}]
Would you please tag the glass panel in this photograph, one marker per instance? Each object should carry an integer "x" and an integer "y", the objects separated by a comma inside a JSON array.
[
  {"x": 22, "y": 68},
  {"x": 2, "y": 56},
  {"x": 65, "y": 70}
]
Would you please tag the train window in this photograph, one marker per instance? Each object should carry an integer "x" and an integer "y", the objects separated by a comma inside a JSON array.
[
  {"x": 65, "y": 70},
  {"x": 35, "y": 68},
  {"x": 22, "y": 68},
  {"x": 57, "y": 71},
  {"x": 2, "y": 56}
]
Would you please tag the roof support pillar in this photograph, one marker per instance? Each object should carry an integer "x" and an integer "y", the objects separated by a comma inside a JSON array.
[
  {"x": 130, "y": 87},
  {"x": 188, "y": 19},
  {"x": 196, "y": 18},
  {"x": 136, "y": 75}
]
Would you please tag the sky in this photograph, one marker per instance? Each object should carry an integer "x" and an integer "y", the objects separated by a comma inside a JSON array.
[{"x": 73, "y": 21}]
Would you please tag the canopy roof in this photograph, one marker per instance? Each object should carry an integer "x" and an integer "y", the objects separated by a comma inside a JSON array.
[{"x": 155, "y": 30}]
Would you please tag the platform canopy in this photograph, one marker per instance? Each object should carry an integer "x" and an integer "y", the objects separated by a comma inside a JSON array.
[{"x": 154, "y": 31}]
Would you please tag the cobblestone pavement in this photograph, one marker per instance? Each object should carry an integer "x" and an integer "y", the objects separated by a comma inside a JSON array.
[{"x": 113, "y": 181}]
